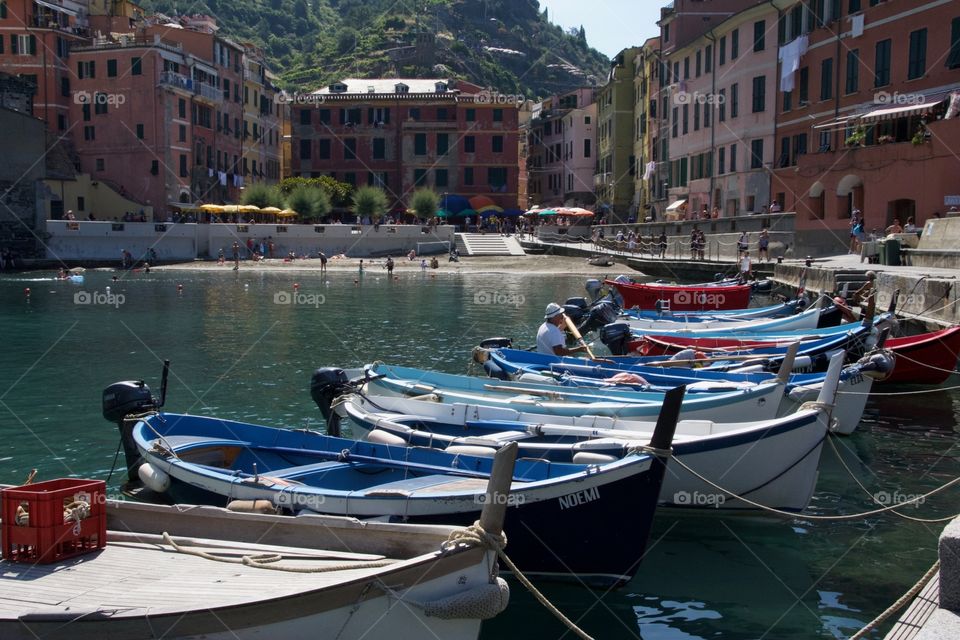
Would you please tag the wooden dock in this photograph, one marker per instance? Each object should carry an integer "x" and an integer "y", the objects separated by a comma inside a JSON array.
[{"x": 911, "y": 622}]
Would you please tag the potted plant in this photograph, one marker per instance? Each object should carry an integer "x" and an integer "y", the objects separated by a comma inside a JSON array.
[
  {"x": 856, "y": 138},
  {"x": 920, "y": 136},
  {"x": 886, "y": 139}
]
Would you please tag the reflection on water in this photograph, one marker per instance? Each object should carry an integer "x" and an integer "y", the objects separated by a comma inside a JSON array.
[{"x": 239, "y": 354}]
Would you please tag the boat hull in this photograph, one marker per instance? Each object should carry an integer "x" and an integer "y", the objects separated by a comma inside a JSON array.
[
  {"x": 683, "y": 298},
  {"x": 929, "y": 358}
]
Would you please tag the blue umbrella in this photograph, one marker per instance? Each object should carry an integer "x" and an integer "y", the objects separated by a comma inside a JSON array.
[{"x": 453, "y": 203}]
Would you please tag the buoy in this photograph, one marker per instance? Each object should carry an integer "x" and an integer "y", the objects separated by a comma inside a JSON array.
[
  {"x": 296, "y": 285},
  {"x": 153, "y": 478},
  {"x": 355, "y": 281},
  {"x": 179, "y": 288},
  {"x": 27, "y": 291},
  {"x": 246, "y": 285}
]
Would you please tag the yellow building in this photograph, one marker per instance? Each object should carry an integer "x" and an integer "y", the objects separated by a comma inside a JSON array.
[
  {"x": 646, "y": 104},
  {"x": 263, "y": 117},
  {"x": 616, "y": 163}
]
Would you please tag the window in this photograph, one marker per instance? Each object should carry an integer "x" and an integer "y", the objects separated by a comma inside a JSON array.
[
  {"x": 734, "y": 44},
  {"x": 852, "y": 84},
  {"x": 441, "y": 113},
  {"x": 379, "y": 148},
  {"x": 686, "y": 118},
  {"x": 64, "y": 82},
  {"x": 350, "y": 149},
  {"x": 86, "y": 69},
  {"x": 696, "y": 116},
  {"x": 734, "y": 100},
  {"x": 881, "y": 67},
  {"x": 419, "y": 177},
  {"x": 826, "y": 79},
  {"x": 61, "y": 122},
  {"x": 136, "y": 66},
  {"x": 733, "y": 158},
  {"x": 756, "y": 154},
  {"x": 469, "y": 144},
  {"x": 723, "y": 50},
  {"x": 803, "y": 93},
  {"x": 3, "y": 8},
  {"x": 586, "y": 147},
  {"x": 686, "y": 68},
  {"x": 676, "y": 71},
  {"x": 953, "y": 59},
  {"x": 85, "y": 111},
  {"x": 722, "y": 106},
  {"x": 101, "y": 165},
  {"x": 784, "y": 160},
  {"x": 471, "y": 115},
  {"x": 759, "y": 35},
  {"x": 675, "y": 122},
  {"x": 350, "y": 178},
  {"x": 139, "y": 132},
  {"x": 787, "y": 101},
  {"x": 305, "y": 116},
  {"x": 304, "y": 149},
  {"x": 498, "y": 115},
  {"x": 25, "y": 45},
  {"x": 917, "y": 65},
  {"x": 468, "y": 176},
  {"x": 708, "y": 59},
  {"x": 420, "y": 144},
  {"x": 497, "y": 177},
  {"x": 854, "y": 6},
  {"x": 707, "y": 108},
  {"x": 182, "y": 108},
  {"x": 759, "y": 94},
  {"x": 112, "y": 68},
  {"x": 323, "y": 150},
  {"x": 443, "y": 143},
  {"x": 699, "y": 63},
  {"x": 799, "y": 147},
  {"x": 497, "y": 144},
  {"x": 586, "y": 119},
  {"x": 183, "y": 166},
  {"x": 100, "y": 104},
  {"x": 414, "y": 113},
  {"x": 440, "y": 178},
  {"x": 721, "y": 160},
  {"x": 182, "y": 133}
]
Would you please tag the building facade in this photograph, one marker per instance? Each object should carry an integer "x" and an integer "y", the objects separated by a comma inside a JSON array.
[
  {"x": 616, "y": 163},
  {"x": 562, "y": 150},
  {"x": 402, "y": 134},
  {"x": 646, "y": 94},
  {"x": 869, "y": 120},
  {"x": 262, "y": 119}
]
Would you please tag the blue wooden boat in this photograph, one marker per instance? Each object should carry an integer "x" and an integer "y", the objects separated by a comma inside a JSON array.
[
  {"x": 557, "y": 509},
  {"x": 780, "y": 310}
]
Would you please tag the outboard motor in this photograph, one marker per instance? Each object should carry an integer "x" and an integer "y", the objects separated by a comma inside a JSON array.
[
  {"x": 580, "y": 302},
  {"x": 496, "y": 343},
  {"x": 326, "y": 385},
  {"x": 593, "y": 287},
  {"x": 574, "y": 312},
  {"x": 601, "y": 313},
  {"x": 131, "y": 397},
  {"x": 617, "y": 337}
]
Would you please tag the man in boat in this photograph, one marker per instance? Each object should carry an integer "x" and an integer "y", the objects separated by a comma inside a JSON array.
[{"x": 550, "y": 338}]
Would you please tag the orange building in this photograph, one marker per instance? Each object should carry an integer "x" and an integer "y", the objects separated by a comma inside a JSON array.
[{"x": 869, "y": 120}]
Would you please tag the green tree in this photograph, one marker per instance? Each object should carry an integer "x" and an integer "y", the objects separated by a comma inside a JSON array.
[
  {"x": 369, "y": 201},
  {"x": 312, "y": 203},
  {"x": 347, "y": 40},
  {"x": 262, "y": 195},
  {"x": 425, "y": 203}
]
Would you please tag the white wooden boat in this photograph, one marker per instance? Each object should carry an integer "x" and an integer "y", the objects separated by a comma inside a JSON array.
[{"x": 379, "y": 580}]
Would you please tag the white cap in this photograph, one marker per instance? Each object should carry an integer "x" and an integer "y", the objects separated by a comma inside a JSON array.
[{"x": 553, "y": 310}]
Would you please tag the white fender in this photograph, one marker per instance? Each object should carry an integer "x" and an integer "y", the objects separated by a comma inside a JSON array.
[
  {"x": 153, "y": 478},
  {"x": 471, "y": 450},
  {"x": 380, "y": 436},
  {"x": 586, "y": 457}
]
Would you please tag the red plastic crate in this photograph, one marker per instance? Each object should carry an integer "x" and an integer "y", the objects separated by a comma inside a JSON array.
[{"x": 49, "y": 536}]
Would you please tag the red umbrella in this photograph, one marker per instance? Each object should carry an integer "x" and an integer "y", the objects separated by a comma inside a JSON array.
[{"x": 479, "y": 202}]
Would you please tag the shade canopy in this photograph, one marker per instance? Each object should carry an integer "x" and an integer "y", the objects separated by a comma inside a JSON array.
[
  {"x": 248, "y": 208},
  {"x": 211, "y": 208},
  {"x": 479, "y": 202},
  {"x": 676, "y": 204},
  {"x": 453, "y": 203},
  {"x": 273, "y": 210}
]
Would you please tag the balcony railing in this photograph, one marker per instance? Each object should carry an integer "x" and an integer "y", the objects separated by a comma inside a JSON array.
[
  {"x": 172, "y": 79},
  {"x": 207, "y": 92}
]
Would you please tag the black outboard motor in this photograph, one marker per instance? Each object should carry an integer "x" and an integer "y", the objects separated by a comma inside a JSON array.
[
  {"x": 580, "y": 302},
  {"x": 601, "y": 313},
  {"x": 496, "y": 343},
  {"x": 131, "y": 397},
  {"x": 617, "y": 337},
  {"x": 326, "y": 385}
]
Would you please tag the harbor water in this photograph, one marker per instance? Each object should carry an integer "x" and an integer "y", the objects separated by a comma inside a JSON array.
[{"x": 244, "y": 344}]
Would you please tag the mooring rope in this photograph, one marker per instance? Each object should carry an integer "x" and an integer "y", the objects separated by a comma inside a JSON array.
[{"x": 902, "y": 600}]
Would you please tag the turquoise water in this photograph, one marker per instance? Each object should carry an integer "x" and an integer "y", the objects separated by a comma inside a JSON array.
[{"x": 236, "y": 353}]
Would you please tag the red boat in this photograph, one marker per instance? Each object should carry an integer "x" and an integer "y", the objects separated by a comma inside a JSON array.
[
  {"x": 683, "y": 297},
  {"x": 927, "y": 358}
]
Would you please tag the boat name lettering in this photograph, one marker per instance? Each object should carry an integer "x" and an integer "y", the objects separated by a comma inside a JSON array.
[{"x": 578, "y": 498}]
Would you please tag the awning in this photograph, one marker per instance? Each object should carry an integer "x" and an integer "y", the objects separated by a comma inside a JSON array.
[
  {"x": 836, "y": 123},
  {"x": 676, "y": 204},
  {"x": 56, "y": 7},
  {"x": 892, "y": 113}
]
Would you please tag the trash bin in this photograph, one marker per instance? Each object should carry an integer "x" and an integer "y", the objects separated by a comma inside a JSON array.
[{"x": 890, "y": 252}]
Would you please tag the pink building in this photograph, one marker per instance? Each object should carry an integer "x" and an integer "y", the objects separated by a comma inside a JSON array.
[
  {"x": 562, "y": 150},
  {"x": 720, "y": 103}
]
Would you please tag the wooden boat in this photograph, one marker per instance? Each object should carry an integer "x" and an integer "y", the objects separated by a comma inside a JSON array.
[
  {"x": 780, "y": 310},
  {"x": 807, "y": 320},
  {"x": 772, "y": 462},
  {"x": 759, "y": 401},
  {"x": 682, "y": 297},
  {"x": 555, "y": 510},
  {"x": 927, "y": 358},
  {"x": 378, "y": 580}
]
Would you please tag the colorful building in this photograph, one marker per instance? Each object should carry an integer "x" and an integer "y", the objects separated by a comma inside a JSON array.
[
  {"x": 562, "y": 150},
  {"x": 867, "y": 115},
  {"x": 401, "y": 134},
  {"x": 262, "y": 119},
  {"x": 613, "y": 181},
  {"x": 646, "y": 95}
]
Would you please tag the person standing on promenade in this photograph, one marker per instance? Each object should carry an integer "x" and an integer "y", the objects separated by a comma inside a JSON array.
[
  {"x": 743, "y": 243},
  {"x": 323, "y": 262},
  {"x": 236, "y": 255},
  {"x": 663, "y": 244},
  {"x": 389, "y": 266},
  {"x": 763, "y": 243},
  {"x": 746, "y": 267}
]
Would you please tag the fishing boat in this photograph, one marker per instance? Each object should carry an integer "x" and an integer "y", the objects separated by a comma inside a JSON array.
[
  {"x": 759, "y": 401},
  {"x": 681, "y": 297},
  {"x": 188, "y": 572},
  {"x": 927, "y": 358},
  {"x": 783, "y": 309},
  {"x": 694, "y": 325},
  {"x": 555, "y": 509},
  {"x": 770, "y": 462}
]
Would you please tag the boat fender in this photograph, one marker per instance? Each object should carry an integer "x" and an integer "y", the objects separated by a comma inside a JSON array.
[
  {"x": 252, "y": 506},
  {"x": 480, "y": 355},
  {"x": 536, "y": 378},
  {"x": 471, "y": 450},
  {"x": 586, "y": 457},
  {"x": 153, "y": 478},
  {"x": 381, "y": 436},
  {"x": 802, "y": 362},
  {"x": 754, "y": 368},
  {"x": 480, "y": 603},
  {"x": 495, "y": 371},
  {"x": 804, "y": 393}
]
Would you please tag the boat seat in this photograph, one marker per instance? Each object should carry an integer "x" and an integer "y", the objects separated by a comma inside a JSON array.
[
  {"x": 409, "y": 486},
  {"x": 187, "y": 443},
  {"x": 292, "y": 473},
  {"x": 695, "y": 427}
]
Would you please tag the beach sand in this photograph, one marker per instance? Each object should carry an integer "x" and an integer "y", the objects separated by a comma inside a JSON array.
[{"x": 529, "y": 264}]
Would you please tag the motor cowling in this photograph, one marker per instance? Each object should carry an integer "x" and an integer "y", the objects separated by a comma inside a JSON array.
[
  {"x": 600, "y": 314},
  {"x": 593, "y": 287},
  {"x": 574, "y": 312},
  {"x": 578, "y": 301},
  {"x": 496, "y": 343},
  {"x": 124, "y": 398},
  {"x": 326, "y": 384},
  {"x": 616, "y": 337}
]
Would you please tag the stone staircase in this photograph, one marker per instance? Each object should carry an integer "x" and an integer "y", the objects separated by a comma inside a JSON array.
[{"x": 480, "y": 244}]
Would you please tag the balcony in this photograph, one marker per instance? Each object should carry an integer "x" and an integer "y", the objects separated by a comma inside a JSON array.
[
  {"x": 171, "y": 79},
  {"x": 203, "y": 91}
]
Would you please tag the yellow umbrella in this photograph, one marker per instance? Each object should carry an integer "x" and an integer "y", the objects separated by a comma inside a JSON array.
[
  {"x": 211, "y": 208},
  {"x": 273, "y": 210},
  {"x": 288, "y": 213},
  {"x": 231, "y": 208},
  {"x": 248, "y": 208}
]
